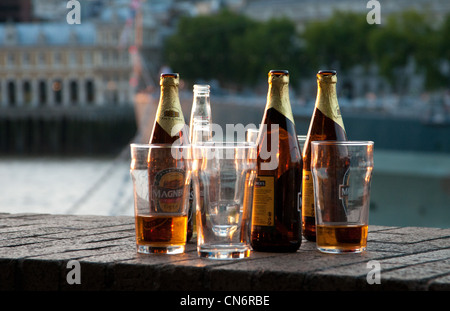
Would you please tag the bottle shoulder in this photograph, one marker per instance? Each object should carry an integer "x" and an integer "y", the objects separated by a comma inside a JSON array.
[
  {"x": 277, "y": 147},
  {"x": 324, "y": 128}
]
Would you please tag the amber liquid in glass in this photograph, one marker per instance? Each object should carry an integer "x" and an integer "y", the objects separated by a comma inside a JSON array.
[
  {"x": 161, "y": 230},
  {"x": 341, "y": 237}
]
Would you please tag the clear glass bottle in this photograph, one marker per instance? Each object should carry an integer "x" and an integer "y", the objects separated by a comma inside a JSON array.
[
  {"x": 200, "y": 130},
  {"x": 200, "y": 120}
]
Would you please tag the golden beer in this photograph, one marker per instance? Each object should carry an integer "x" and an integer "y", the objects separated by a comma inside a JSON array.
[
  {"x": 161, "y": 231},
  {"x": 341, "y": 238}
]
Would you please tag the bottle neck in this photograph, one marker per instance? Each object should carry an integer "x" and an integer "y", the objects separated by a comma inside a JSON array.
[
  {"x": 201, "y": 107},
  {"x": 200, "y": 131},
  {"x": 278, "y": 96},
  {"x": 326, "y": 100},
  {"x": 169, "y": 114},
  {"x": 200, "y": 120}
]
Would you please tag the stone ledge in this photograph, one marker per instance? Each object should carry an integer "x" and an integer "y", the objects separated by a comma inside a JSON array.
[{"x": 35, "y": 250}]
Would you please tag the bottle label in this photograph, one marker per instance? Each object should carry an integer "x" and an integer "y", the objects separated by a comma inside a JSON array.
[
  {"x": 307, "y": 194},
  {"x": 278, "y": 96},
  {"x": 169, "y": 115},
  {"x": 328, "y": 105},
  {"x": 263, "y": 201},
  {"x": 283, "y": 106},
  {"x": 167, "y": 191}
]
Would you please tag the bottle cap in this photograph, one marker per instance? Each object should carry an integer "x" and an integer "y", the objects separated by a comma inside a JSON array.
[
  {"x": 327, "y": 72},
  {"x": 327, "y": 76},
  {"x": 170, "y": 74},
  {"x": 169, "y": 79},
  {"x": 279, "y": 72},
  {"x": 279, "y": 76},
  {"x": 201, "y": 88}
]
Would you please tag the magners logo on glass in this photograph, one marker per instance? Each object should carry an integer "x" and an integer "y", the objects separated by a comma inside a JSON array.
[{"x": 167, "y": 192}]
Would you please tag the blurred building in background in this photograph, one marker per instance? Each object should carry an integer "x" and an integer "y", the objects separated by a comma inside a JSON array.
[
  {"x": 114, "y": 57},
  {"x": 117, "y": 49},
  {"x": 65, "y": 88},
  {"x": 51, "y": 63}
]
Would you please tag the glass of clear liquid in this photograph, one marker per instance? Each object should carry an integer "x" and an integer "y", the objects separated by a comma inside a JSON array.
[{"x": 223, "y": 174}]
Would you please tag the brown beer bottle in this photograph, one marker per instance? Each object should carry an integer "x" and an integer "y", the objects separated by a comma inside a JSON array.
[
  {"x": 276, "y": 216},
  {"x": 169, "y": 123},
  {"x": 326, "y": 124},
  {"x": 169, "y": 128}
]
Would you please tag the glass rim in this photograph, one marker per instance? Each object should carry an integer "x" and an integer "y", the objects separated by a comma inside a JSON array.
[
  {"x": 224, "y": 144},
  {"x": 158, "y": 146},
  {"x": 342, "y": 143},
  {"x": 202, "y": 86},
  {"x": 208, "y": 144}
]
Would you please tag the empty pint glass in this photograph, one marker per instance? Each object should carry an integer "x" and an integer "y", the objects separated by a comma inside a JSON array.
[
  {"x": 342, "y": 173},
  {"x": 223, "y": 174},
  {"x": 160, "y": 178}
]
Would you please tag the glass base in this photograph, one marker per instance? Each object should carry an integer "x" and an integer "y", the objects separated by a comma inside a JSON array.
[
  {"x": 171, "y": 249},
  {"x": 336, "y": 250},
  {"x": 224, "y": 252}
]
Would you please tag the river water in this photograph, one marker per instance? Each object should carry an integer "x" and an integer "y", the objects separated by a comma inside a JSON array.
[
  {"x": 90, "y": 186},
  {"x": 408, "y": 188}
]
